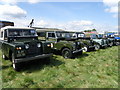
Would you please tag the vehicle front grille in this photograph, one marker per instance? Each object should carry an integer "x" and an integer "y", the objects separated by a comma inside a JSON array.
[{"x": 33, "y": 49}]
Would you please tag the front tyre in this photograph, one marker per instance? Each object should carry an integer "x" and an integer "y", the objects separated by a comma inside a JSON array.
[
  {"x": 15, "y": 65},
  {"x": 97, "y": 47},
  {"x": 85, "y": 49},
  {"x": 117, "y": 43},
  {"x": 67, "y": 53}
]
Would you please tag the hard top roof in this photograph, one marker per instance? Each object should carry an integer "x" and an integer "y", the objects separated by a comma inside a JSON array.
[
  {"x": 12, "y": 27},
  {"x": 76, "y": 32}
]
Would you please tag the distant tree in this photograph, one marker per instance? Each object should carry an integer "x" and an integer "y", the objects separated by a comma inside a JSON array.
[
  {"x": 94, "y": 30},
  {"x": 90, "y": 30}
]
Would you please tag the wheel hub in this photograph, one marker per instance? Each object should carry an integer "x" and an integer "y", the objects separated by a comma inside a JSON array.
[{"x": 85, "y": 49}]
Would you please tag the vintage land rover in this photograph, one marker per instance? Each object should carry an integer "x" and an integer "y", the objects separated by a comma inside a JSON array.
[
  {"x": 114, "y": 38},
  {"x": 109, "y": 41},
  {"x": 89, "y": 44},
  {"x": 102, "y": 42},
  {"x": 62, "y": 42},
  {"x": 21, "y": 45}
]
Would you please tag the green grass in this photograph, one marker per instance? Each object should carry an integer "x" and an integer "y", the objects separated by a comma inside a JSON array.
[{"x": 97, "y": 69}]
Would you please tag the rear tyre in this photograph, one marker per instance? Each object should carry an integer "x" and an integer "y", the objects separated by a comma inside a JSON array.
[
  {"x": 67, "y": 53},
  {"x": 97, "y": 47},
  {"x": 16, "y": 66}
]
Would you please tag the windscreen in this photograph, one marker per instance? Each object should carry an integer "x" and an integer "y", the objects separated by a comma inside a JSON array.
[
  {"x": 77, "y": 35},
  {"x": 100, "y": 36},
  {"x": 22, "y": 32},
  {"x": 63, "y": 34},
  {"x": 94, "y": 36}
]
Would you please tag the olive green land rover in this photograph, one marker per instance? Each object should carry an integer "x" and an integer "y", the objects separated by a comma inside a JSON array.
[
  {"x": 21, "y": 45},
  {"x": 89, "y": 44},
  {"x": 62, "y": 42}
]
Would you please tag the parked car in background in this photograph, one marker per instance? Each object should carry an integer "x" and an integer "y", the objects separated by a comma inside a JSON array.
[
  {"x": 114, "y": 38},
  {"x": 108, "y": 41},
  {"x": 89, "y": 44},
  {"x": 21, "y": 45},
  {"x": 102, "y": 42},
  {"x": 62, "y": 42}
]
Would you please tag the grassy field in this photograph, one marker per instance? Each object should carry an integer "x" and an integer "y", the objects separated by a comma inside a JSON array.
[{"x": 97, "y": 69}]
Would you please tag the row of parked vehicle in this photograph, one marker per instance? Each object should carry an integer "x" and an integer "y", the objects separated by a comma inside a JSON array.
[{"x": 25, "y": 44}]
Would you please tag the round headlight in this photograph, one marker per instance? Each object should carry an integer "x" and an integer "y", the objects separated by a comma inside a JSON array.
[
  {"x": 27, "y": 46},
  {"x": 38, "y": 45},
  {"x": 18, "y": 48}
]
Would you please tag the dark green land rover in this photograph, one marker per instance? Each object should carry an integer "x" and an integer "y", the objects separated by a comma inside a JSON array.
[
  {"x": 89, "y": 44},
  {"x": 62, "y": 42},
  {"x": 21, "y": 45}
]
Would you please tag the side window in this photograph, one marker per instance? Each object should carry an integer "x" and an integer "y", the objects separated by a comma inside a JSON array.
[
  {"x": 51, "y": 35},
  {"x": 1, "y": 34},
  {"x": 5, "y": 35}
]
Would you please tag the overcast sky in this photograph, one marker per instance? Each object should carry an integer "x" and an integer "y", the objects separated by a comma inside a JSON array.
[{"x": 68, "y": 15}]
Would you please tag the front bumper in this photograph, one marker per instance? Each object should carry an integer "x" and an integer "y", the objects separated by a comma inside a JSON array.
[
  {"x": 77, "y": 51},
  {"x": 32, "y": 58}
]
